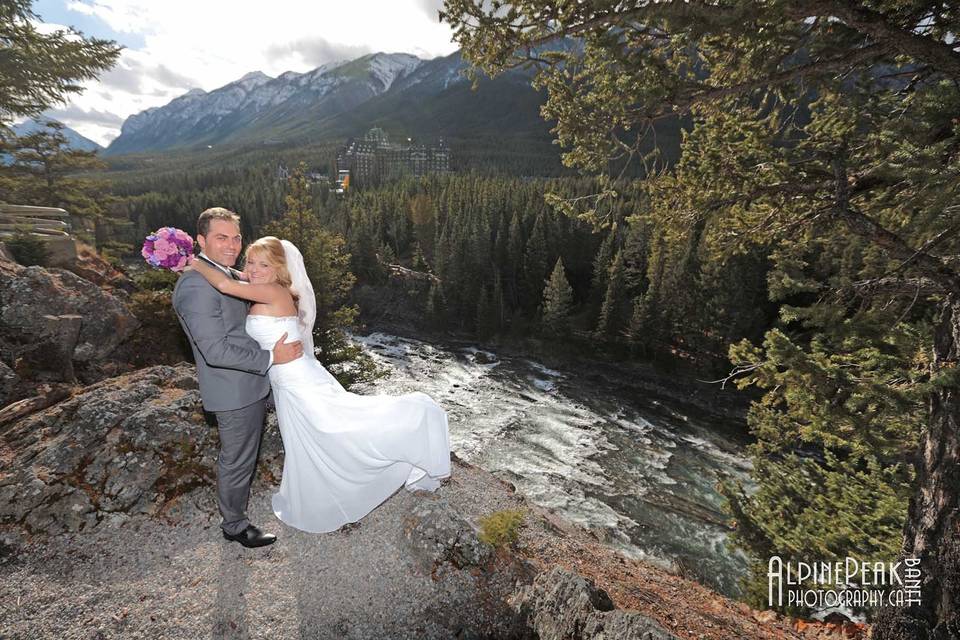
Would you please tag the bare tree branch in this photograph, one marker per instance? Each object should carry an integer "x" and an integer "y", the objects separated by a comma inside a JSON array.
[
  {"x": 875, "y": 25},
  {"x": 893, "y": 285}
]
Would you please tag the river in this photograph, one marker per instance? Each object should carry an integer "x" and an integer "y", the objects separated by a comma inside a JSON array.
[{"x": 597, "y": 447}]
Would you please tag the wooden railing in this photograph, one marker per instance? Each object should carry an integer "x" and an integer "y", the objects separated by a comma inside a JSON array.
[
  {"x": 50, "y": 224},
  {"x": 45, "y": 221}
]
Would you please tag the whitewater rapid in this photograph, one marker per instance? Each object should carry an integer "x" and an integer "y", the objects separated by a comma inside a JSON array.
[{"x": 640, "y": 471}]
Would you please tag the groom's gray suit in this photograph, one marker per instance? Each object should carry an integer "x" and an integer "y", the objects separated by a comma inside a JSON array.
[{"x": 231, "y": 368}]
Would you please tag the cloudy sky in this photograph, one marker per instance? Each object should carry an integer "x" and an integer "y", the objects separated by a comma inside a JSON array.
[{"x": 172, "y": 46}]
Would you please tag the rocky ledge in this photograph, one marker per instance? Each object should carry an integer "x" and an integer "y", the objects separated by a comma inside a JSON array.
[
  {"x": 57, "y": 328},
  {"x": 109, "y": 530}
]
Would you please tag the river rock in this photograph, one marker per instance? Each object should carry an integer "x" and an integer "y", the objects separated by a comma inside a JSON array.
[
  {"x": 484, "y": 357},
  {"x": 49, "y": 357},
  {"x": 561, "y": 605},
  {"x": 436, "y": 533}
]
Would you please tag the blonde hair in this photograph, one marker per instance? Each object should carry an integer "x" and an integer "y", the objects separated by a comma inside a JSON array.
[{"x": 272, "y": 249}]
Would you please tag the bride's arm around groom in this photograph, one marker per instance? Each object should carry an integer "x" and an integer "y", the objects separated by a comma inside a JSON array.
[{"x": 200, "y": 308}]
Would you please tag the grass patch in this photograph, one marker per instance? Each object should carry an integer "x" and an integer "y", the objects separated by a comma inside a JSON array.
[{"x": 501, "y": 528}]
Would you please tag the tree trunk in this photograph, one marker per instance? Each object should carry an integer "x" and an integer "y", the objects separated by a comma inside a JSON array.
[{"x": 932, "y": 530}]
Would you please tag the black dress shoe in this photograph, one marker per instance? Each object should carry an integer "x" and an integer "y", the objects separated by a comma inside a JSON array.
[{"x": 251, "y": 537}]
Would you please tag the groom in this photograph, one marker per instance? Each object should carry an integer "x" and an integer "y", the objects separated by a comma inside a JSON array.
[{"x": 231, "y": 368}]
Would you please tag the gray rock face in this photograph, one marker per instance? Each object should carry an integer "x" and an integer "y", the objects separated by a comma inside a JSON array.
[
  {"x": 8, "y": 382},
  {"x": 138, "y": 445},
  {"x": 436, "y": 533},
  {"x": 128, "y": 445},
  {"x": 53, "y": 322},
  {"x": 560, "y": 605},
  {"x": 50, "y": 355},
  {"x": 34, "y": 292}
]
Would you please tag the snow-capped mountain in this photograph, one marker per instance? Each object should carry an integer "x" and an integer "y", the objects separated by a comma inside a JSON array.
[
  {"x": 400, "y": 93},
  {"x": 74, "y": 139},
  {"x": 498, "y": 123},
  {"x": 257, "y": 101}
]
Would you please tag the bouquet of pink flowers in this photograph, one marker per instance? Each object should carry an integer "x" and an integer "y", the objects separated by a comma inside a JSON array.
[{"x": 168, "y": 248}]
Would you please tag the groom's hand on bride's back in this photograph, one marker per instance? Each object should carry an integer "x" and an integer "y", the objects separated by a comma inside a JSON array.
[{"x": 284, "y": 352}]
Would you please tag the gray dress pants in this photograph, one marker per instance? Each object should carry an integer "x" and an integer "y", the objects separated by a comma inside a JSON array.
[{"x": 240, "y": 432}]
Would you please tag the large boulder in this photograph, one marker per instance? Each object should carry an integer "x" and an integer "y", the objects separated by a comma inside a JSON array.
[
  {"x": 436, "y": 533},
  {"x": 89, "y": 265},
  {"x": 55, "y": 325},
  {"x": 561, "y": 605},
  {"x": 135, "y": 444},
  {"x": 8, "y": 383}
]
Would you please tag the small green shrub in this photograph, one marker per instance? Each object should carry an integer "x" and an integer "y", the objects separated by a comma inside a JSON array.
[
  {"x": 27, "y": 249},
  {"x": 501, "y": 528},
  {"x": 156, "y": 280},
  {"x": 154, "y": 309},
  {"x": 113, "y": 252},
  {"x": 160, "y": 340}
]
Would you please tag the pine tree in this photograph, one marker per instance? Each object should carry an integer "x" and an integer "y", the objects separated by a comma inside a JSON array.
[
  {"x": 535, "y": 263},
  {"x": 45, "y": 171},
  {"x": 649, "y": 317},
  {"x": 500, "y": 243},
  {"x": 499, "y": 309},
  {"x": 609, "y": 321},
  {"x": 684, "y": 287},
  {"x": 486, "y": 315},
  {"x": 40, "y": 70},
  {"x": 419, "y": 262},
  {"x": 460, "y": 308},
  {"x": 638, "y": 331},
  {"x": 441, "y": 257},
  {"x": 363, "y": 255},
  {"x": 328, "y": 266},
  {"x": 436, "y": 306},
  {"x": 515, "y": 242},
  {"x": 635, "y": 254},
  {"x": 387, "y": 255},
  {"x": 602, "y": 261},
  {"x": 300, "y": 223},
  {"x": 557, "y": 302}
]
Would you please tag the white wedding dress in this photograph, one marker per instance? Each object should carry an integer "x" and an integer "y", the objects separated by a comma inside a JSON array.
[{"x": 345, "y": 453}]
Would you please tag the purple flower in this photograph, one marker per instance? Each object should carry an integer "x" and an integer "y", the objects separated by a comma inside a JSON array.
[{"x": 168, "y": 248}]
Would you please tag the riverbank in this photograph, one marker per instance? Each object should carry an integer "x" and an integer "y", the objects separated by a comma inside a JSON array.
[
  {"x": 109, "y": 530},
  {"x": 175, "y": 577},
  {"x": 636, "y": 468}
]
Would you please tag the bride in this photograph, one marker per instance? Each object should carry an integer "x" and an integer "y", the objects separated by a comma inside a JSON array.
[{"x": 344, "y": 453}]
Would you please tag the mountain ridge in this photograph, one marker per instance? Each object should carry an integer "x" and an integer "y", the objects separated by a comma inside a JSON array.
[
  {"x": 492, "y": 124},
  {"x": 256, "y": 99},
  {"x": 75, "y": 140}
]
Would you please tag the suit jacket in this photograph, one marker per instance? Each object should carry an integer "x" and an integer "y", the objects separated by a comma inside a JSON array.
[{"x": 231, "y": 366}]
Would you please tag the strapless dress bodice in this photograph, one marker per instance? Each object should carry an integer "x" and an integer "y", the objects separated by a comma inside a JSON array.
[{"x": 266, "y": 330}]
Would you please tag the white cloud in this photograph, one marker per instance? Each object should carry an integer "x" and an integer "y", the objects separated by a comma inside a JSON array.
[
  {"x": 430, "y": 7},
  {"x": 122, "y": 16},
  {"x": 93, "y": 117},
  {"x": 313, "y": 52},
  {"x": 207, "y": 44}
]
